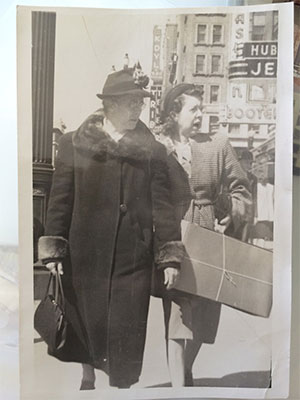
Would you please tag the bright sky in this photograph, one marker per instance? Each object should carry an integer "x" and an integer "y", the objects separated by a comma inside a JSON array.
[{"x": 86, "y": 49}]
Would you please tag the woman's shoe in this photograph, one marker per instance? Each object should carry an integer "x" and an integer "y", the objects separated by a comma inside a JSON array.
[{"x": 87, "y": 385}]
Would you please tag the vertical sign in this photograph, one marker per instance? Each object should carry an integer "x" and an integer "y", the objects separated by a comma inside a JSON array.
[
  {"x": 156, "y": 73},
  {"x": 156, "y": 76},
  {"x": 238, "y": 36},
  {"x": 156, "y": 91}
]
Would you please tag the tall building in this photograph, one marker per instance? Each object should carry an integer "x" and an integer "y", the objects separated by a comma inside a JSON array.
[{"x": 202, "y": 59}]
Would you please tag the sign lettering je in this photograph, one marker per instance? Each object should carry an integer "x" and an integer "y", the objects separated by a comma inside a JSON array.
[{"x": 262, "y": 68}]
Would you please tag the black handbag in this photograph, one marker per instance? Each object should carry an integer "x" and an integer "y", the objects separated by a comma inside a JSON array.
[{"x": 49, "y": 318}]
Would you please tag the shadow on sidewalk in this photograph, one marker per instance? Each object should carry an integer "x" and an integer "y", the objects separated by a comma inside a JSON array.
[{"x": 246, "y": 379}]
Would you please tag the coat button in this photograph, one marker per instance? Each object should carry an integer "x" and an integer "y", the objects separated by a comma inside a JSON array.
[{"x": 123, "y": 208}]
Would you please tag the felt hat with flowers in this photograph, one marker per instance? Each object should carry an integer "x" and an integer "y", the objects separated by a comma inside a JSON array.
[{"x": 126, "y": 81}]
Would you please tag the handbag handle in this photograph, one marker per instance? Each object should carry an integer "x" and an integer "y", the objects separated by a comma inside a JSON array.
[{"x": 58, "y": 292}]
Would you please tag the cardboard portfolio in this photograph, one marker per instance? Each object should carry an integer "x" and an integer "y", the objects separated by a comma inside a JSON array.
[{"x": 226, "y": 270}]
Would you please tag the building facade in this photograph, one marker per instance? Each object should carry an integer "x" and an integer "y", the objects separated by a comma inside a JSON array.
[
  {"x": 203, "y": 58},
  {"x": 233, "y": 59},
  {"x": 250, "y": 112}
]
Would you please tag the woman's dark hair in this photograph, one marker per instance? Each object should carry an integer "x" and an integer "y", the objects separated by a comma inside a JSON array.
[
  {"x": 173, "y": 104},
  {"x": 178, "y": 102}
]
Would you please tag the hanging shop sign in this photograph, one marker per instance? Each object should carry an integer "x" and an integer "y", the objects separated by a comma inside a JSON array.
[
  {"x": 156, "y": 91},
  {"x": 253, "y": 68},
  {"x": 261, "y": 68},
  {"x": 239, "y": 28},
  {"x": 260, "y": 50},
  {"x": 156, "y": 72},
  {"x": 252, "y": 115}
]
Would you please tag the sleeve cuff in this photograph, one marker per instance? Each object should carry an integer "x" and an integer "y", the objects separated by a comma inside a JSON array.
[
  {"x": 52, "y": 248},
  {"x": 170, "y": 254}
]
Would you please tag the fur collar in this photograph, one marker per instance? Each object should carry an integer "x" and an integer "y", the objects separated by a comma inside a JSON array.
[{"x": 91, "y": 138}]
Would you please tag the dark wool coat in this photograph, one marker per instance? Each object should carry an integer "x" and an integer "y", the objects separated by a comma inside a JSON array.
[
  {"x": 105, "y": 198},
  {"x": 214, "y": 165}
]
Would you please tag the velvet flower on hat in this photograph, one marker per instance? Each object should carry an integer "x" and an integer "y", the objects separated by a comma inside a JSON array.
[{"x": 140, "y": 79}]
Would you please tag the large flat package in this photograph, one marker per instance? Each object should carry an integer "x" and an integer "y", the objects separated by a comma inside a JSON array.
[{"x": 226, "y": 270}]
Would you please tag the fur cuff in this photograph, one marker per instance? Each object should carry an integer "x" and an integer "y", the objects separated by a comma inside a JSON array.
[
  {"x": 52, "y": 248},
  {"x": 169, "y": 253}
]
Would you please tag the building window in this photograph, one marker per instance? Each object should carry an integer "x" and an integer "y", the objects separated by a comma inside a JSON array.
[
  {"x": 217, "y": 34},
  {"x": 201, "y": 33},
  {"x": 213, "y": 123},
  {"x": 200, "y": 64},
  {"x": 216, "y": 67},
  {"x": 214, "y": 94},
  {"x": 263, "y": 92},
  {"x": 258, "y": 26},
  {"x": 257, "y": 92}
]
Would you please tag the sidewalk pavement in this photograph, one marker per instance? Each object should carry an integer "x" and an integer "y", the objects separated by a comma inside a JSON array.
[{"x": 240, "y": 357}]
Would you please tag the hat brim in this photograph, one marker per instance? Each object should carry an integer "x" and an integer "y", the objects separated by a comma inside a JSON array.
[{"x": 142, "y": 92}]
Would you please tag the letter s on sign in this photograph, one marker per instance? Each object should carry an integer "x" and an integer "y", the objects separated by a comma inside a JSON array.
[{"x": 239, "y": 34}]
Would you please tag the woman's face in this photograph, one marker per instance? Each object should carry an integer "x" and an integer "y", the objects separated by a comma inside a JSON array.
[
  {"x": 189, "y": 119},
  {"x": 126, "y": 112}
]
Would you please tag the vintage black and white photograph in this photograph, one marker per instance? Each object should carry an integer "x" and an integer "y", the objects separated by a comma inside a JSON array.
[{"x": 155, "y": 186}]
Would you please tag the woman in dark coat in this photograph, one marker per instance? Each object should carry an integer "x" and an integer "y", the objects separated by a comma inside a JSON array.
[
  {"x": 109, "y": 189},
  {"x": 199, "y": 164}
]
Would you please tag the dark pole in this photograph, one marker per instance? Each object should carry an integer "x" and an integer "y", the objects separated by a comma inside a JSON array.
[{"x": 43, "y": 62}]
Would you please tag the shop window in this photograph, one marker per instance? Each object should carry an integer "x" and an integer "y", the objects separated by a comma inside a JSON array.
[
  {"x": 254, "y": 128},
  {"x": 201, "y": 33},
  {"x": 200, "y": 64},
  {"x": 257, "y": 92},
  {"x": 234, "y": 129},
  {"x": 217, "y": 36},
  {"x": 214, "y": 94},
  {"x": 216, "y": 67},
  {"x": 263, "y": 92},
  {"x": 258, "y": 26}
]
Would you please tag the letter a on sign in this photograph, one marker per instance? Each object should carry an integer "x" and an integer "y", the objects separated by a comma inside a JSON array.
[{"x": 239, "y": 19}]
